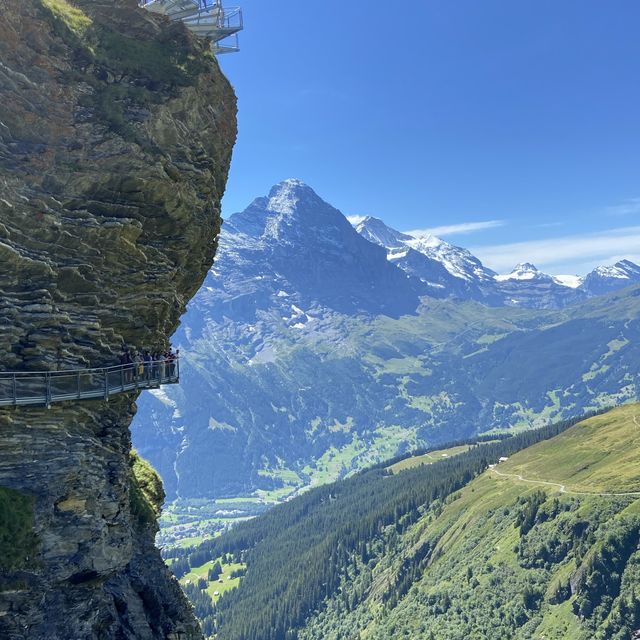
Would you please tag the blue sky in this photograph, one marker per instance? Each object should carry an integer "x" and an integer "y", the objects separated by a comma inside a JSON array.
[{"x": 512, "y": 127}]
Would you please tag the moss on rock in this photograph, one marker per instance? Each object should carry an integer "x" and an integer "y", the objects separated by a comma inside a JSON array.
[
  {"x": 18, "y": 541},
  {"x": 146, "y": 492}
]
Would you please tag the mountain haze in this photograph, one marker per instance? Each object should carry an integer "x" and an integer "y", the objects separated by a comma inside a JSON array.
[{"x": 311, "y": 352}]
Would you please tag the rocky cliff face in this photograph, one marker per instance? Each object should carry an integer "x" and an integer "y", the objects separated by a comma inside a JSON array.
[{"x": 116, "y": 131}]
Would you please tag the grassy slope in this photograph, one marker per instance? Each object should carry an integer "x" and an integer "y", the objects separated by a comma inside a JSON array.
[
  {"x": 428, "y": 458},
  {"x": 599, "y": 455},
  {"x": 474, "y": 581}
]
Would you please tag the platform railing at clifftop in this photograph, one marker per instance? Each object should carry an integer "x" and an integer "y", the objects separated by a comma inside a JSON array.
[
  {"x": 205, "y": 18},
  {"x": 46, "y": 387}
]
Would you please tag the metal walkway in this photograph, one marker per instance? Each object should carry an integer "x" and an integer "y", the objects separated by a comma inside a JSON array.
[
  {"x": 46, "y": 387},
  {"x": 205, "y": 18}
]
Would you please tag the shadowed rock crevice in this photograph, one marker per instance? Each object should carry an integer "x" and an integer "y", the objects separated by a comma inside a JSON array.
[{"x": 116, "y": 132}]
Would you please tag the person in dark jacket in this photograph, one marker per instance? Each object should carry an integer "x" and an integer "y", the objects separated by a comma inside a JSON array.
[
  {"x": 127, "y": 362},
  {"x": 171, "y": 362},
  {"x": 146, "y": 358}
]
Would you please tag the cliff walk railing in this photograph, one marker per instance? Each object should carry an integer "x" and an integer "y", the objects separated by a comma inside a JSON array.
[
  {"x": 205, "y": 18},
  {"x": 47, "y": 387}
]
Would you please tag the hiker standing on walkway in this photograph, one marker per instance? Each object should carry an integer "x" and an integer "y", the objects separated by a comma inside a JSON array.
[
  {"x": 147, "y": 365},
  {"x": 156, "y": 357},
  {"x": 127, "y": 364},
  {"x": 162, "y": 364},
  {"x": 138, "y": 366},
  {"x": 171, "y": 361}
]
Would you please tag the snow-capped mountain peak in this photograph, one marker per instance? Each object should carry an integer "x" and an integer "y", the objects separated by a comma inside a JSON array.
[
  {"x": 429, "y": 241},
  {"x": 459, "y": 262},
  {"x": 523, "y": 271},
  {"x": 608, "y": 272},
  {"x": 307, "y": 246},
  {"x": 526, "y": 266},
  {"x": 292, "y": 212},
  {"x": 608, "y": 278},
  {"x": 287, "y": 196},
  {"x": 628, "y": 266},
  {"x": 624, "y": 269},
  {"x": 376, "y": 231}
]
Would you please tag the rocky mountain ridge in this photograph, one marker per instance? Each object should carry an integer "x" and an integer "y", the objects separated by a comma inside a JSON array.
[
  {"x": 459, "y": 274},
  {"x": 116, "y": 132},
  {"x": 294, "y": 223}
]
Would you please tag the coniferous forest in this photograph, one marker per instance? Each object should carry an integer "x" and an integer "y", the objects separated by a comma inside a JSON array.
[{"x": 300, "y": 554}]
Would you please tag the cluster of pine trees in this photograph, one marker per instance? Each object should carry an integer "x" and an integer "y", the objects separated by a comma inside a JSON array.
[
  {"x": 203, "y": 606},
  {"x": 601, "y": 583}
]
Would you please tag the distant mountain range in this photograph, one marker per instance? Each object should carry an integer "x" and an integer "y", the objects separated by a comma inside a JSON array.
[
  {"x": 452, "y": 271},
  {"x": 314, "y": 349}
]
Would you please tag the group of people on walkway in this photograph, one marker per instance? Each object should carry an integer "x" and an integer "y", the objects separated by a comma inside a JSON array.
[{"x": 145, "y": 365}]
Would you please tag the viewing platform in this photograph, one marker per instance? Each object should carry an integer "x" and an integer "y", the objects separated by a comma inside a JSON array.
[
  {"x": 46, "y": 387},
  {"x": 205, "y": 18}
]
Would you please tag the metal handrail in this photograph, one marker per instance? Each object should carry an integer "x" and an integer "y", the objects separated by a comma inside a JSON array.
[
  {"x": 46, "y": 387},
  {"x": 221, "y": 22},
  {"x": 227, "y": 45},
  {"x": 229, "y": 15},
  {"x": 206, "y": 18},
  {"x": 92, "y": 370}
]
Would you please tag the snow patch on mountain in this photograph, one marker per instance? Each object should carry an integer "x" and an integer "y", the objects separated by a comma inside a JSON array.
[
  {"x": 395, "y": 254},
  {"x": 285, "y": 197},
  {"x": 376, "y": 231},
  {"x": 573, "y": 282},
  {"x": 459, "y": 262}
]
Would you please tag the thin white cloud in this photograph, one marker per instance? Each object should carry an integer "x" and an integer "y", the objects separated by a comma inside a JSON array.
[
  {"x": 355, "y": 220},
  {"x": 457, "y": 229},
  {"x": 579, "y": 251},
  {"x": 547, "y": 225},
  {"x": 628, "y": 207}
]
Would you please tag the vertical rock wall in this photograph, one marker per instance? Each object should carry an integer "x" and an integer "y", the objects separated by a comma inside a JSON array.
[{"x": 116, "y": 132}]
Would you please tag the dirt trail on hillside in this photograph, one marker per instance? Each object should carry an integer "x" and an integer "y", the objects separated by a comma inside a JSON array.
[{"x": 562, "y": 487}]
